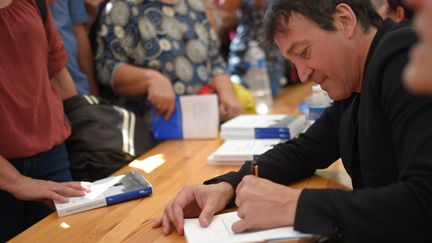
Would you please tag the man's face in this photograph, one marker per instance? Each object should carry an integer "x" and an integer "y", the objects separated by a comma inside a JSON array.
[
  {"x": 324, "y": 57},
  {"x": 418, "y": 73}
]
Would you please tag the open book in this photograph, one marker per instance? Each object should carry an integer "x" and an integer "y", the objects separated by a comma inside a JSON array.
[
  {"x": 219, "y": 230},
  {"x": 194, "y": 117},
  {"x": 107, "y": 191}
]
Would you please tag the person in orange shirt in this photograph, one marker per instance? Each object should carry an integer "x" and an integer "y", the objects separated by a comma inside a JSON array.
[{"x": 34, "y": 166}]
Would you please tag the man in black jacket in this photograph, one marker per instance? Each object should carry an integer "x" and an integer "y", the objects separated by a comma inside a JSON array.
[{"x": 381, "y": 132}]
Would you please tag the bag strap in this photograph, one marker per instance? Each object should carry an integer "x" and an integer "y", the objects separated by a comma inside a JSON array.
[{"x": 42, "y": 10}]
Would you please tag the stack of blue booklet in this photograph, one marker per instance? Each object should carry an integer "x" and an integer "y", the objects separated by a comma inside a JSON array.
[
  {"x": 236, "y": 152},
  {"x": 263, "y": 126}
]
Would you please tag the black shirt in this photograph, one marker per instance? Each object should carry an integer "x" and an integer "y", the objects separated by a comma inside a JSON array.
[{"x": 384, "y": 138}]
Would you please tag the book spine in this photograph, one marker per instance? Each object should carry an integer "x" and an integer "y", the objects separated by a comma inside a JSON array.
[
  {"x": 272, "y": 135},
  {"x": 272, "y": 130},
  {"x": 128, "y": 196},
  {"x": 81, "y": 208}
]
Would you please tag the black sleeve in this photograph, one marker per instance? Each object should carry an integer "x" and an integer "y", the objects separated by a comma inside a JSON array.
[
  {"x": 398, "y": 212},
  {"x": 297, "y": 158}
]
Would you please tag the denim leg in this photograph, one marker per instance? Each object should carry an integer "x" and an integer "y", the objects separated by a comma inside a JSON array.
[
  {"x": 17, "y": 215},
  {"x": 12, "y": 218}
]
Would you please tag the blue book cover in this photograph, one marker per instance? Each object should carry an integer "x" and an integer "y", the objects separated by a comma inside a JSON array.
[
  {"x": 272, "y": 130},
  {"x": 194, "y": 117},
  {"x": 170, "y": 129},
  {"x": 273, "y": 135},
  {"x": 263, "y": 126}
]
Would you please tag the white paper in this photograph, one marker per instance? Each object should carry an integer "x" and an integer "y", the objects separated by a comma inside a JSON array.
[
  {"x": 239, "y": 151},
  {"x": 243, "y": 126},
  {"x": 200, "y": 116},
  {"x": 219, "y": 230}
]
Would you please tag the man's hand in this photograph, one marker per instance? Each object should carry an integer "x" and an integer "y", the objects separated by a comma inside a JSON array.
[
  {"x": 193, "y": 201},
  {"x": 28, "y": 189},
  {"x": 264, "y": 204},
  {"x": 161, "y": 94}
]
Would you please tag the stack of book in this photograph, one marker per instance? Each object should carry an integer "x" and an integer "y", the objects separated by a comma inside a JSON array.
[
  {"x": 236, "y": 152},
  {"x": 248, "y": 136},
  {"x": 263, "y": 126}
]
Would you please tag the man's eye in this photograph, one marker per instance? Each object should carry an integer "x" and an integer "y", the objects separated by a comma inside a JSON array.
[{"x": 305, "y": 52}]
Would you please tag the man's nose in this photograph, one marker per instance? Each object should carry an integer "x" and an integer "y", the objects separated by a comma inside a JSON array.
[{"x": 304, "y": 72}]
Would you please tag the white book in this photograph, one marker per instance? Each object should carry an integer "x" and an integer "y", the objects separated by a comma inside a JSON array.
[
  {"x": 263, "y": 127},
  {"x": 194, "y": 117},
  {"x": 238, "y": 151},
  {"x": 219, "y": 230},
  {"x": 107, "y": 191}
]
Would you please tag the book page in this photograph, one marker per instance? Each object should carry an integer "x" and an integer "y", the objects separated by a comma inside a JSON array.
[
  {"x": 200, "y": 116},
  {"x": 219, "y": 230},
  {"x": 247, "y": 147}
]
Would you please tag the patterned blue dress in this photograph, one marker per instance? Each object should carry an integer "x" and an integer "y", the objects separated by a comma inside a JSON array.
[{"x": 175, "y": 39}]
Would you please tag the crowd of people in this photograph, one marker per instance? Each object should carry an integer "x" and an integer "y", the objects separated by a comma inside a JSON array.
[{"x": 372, "y": 57}]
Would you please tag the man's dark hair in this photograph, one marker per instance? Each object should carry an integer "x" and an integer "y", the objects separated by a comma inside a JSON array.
[
  {"x": 318, "y": 11},
  {"x": 393, "y": 4}
]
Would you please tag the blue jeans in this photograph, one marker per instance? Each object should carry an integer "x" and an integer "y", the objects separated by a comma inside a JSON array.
[{"x": 17, "y": 215}]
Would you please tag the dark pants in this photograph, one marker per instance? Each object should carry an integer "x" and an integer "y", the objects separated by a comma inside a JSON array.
[{"x": 17, "y": 215}]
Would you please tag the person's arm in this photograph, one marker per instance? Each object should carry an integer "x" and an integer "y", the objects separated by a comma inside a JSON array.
[
  {"x": 78, "y": 16},
  {"x": 297, "y": 158},
  {"x": 28, "y": 189},
  {"x": 113, "y": 69},
  {"x": 229, "y": 104},
  {"x": 63, "y": 84},
  {"x": 130, "y": 80},
  {"x": 85, "y": 56},
  {"x": 284, "y": 163},
  {"x": 93, "y": 8}
]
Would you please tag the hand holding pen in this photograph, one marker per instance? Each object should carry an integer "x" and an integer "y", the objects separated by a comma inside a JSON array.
[{"x": 263, "y": 204}]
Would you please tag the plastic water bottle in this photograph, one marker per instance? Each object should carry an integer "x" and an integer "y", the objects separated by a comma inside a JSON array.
[
  {"x": 317, "y": 103},
  {"x": 257, "y": 79}
]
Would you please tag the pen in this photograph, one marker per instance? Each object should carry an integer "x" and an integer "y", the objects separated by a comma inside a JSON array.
[{"x": 254, "y": 168}]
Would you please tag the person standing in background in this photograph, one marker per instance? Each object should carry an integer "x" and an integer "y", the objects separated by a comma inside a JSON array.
[
  {"x": 151, "y": 51},
  {"x": 70, "y": 17},
  {"x": 34, "y": 165}
]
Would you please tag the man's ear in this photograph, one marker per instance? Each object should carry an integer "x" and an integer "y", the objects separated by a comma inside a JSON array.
[
  {"x": 399, "y": 14},
  {"x": 345, "y": 20}
]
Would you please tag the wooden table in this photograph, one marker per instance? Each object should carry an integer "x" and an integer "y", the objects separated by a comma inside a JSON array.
[{"x": 168, "y": 166}]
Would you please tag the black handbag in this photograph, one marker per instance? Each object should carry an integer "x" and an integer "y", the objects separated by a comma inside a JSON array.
[{"x": 104, "y": 137}]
